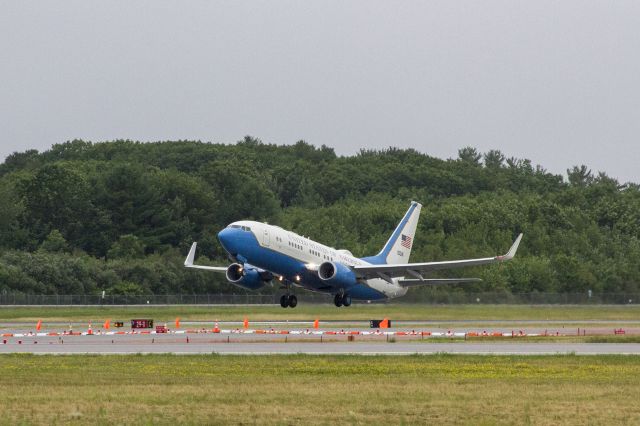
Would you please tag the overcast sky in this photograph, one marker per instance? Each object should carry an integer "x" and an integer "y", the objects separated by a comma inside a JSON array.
[{"x": 557, "y": 82}]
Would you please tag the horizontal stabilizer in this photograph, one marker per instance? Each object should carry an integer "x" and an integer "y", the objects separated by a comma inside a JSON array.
[
  {"x": 437, "y": 281},
  {"x": 188, "y": 262}
]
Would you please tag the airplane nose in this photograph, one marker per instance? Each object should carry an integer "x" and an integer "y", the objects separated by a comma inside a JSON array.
[{"x": 225, "y": 239}]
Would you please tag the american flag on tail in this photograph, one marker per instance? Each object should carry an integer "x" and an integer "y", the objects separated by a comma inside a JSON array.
[{"x": 405, "y": 241}]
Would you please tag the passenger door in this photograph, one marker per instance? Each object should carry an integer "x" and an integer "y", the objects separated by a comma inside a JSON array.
[{"x": 266, "y": 238}]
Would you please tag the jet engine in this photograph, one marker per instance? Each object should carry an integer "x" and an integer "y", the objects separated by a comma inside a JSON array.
[
  {"x": 246, "y": 276},
  {"x": 337, "y": 274}
]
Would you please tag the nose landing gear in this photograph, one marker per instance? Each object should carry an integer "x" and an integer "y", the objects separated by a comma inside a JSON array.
[{"x": 288, "y": 300}]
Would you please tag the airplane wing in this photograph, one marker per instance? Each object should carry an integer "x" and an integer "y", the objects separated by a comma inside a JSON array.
[
  {"x": 437, "y": 281},
  {"x": 188, "y": 262},
  {"x": 386, "y": 272}
]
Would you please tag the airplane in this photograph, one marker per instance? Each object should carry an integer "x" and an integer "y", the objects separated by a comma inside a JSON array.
[{"x": 262, "y": 253}]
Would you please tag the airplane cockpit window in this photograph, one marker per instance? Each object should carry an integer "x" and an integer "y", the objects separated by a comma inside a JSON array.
[{"x": 244, "y": 228}]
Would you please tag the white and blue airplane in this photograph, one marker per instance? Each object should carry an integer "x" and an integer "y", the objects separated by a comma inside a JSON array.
[{"x": 263, "y": 252}]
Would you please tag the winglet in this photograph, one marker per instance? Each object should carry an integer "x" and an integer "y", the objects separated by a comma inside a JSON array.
[
  {"x": 188, "y": 262},
  {"x": 512, "y": 251}
]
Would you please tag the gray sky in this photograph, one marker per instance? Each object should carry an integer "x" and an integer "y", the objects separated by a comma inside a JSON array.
[{"x": 554, "y": 81}]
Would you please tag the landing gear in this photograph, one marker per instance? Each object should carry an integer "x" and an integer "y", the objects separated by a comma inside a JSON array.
[
  {"x": 342, "y": 300},
  {"x": 346, "y": 300},
  {"x": 288, "y": 300},
  {"x": 293, "y": 301}
]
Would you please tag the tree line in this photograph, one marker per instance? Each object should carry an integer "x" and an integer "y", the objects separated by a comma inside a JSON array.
[{"x": 119, "y": 216}]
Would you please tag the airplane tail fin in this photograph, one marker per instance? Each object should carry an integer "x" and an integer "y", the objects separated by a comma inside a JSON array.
[{"x": 398, "y": 247}]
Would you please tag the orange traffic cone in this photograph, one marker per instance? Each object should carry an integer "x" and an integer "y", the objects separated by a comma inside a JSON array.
[
  {"x": 316, "y": 323},
  {"x": 216, "y": 329},
  {"x": 384, "y": 323},
  {"x": 89, "y": 331},
  {"x": 177, "y": 322},
  {"x": 245, "y": 323},
  {"x": 107, "y": 324},
  {"x": 39, "y": 325}
]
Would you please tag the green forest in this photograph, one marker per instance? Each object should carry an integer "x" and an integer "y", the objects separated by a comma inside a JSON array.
[{"x": 120, "y": 216}]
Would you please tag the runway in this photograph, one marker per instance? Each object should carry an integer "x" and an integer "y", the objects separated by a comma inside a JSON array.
[
  {"x": 247, "y": 345},
  {"x": 333, "y": 337}
]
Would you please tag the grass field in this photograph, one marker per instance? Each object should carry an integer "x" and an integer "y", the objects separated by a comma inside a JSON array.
[
  {"x": 309, "y": 312},
  {"x": 440, "y": 389}
]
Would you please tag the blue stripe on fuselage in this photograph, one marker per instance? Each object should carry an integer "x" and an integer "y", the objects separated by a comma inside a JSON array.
[{"x": 243, "y": 244}]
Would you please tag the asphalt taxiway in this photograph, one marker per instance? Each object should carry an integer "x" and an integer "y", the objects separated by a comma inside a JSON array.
[{"x": 248, "y": 345}]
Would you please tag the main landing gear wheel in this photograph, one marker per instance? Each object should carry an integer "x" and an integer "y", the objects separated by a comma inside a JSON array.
[
  {"x": 290, "y": 301},
  {"x": 342, "y": 300},
  {"x": 346, "y": 300}
]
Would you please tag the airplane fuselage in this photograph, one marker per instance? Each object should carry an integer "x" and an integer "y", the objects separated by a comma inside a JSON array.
[{"x": 296, "y": 259}]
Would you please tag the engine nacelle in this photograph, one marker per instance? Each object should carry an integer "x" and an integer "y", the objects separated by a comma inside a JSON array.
[
  {"x": 245, "y": 277},
  {"x": 336, "y": 274}
]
